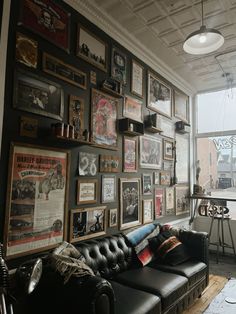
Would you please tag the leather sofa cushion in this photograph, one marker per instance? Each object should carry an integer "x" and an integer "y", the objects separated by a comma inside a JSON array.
[
  {"x": 192, "y": 269},
  {"x": 170, "y": 287},
  {"x": 133, "y": 301}
]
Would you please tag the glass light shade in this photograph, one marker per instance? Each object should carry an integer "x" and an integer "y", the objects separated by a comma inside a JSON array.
[{"x": 203, "y": 41}]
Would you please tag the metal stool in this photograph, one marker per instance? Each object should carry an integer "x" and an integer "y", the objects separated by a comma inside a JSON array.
[{"x": 220, "y": 214}]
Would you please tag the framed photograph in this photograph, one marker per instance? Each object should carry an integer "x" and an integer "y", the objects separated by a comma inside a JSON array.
[
  {"x": 93, "y": 77},
  {"x": 91, "y": 48},
  {"x": 159, "y": 203},
  {"x": 182, "y": 201},
  {"x": 47, "y": 19},
  {"x": 76, "y": 115},
  {"x": 137, "y": 79},
  {"x": 132, "y": 108},
  {"x": 168, "y": 165},
  {"x": 38, "y": 95},
  {"x": 130, "y": 214},
  {"x": 168, "y": 150},
  {"x": 165, "y": 177},
  {"x": 88, "y": 164},
  {"x": 130, "y": 152},
  {"x": 147, "y": 210},
  {"x": 28, "y": 127},
  {"x": 103, "y": 120},
  {"x": 109, "y": 163},
  {"x": 167, "y": 127},
  {"x": 159, "y": 96},
  {"x": 156, "y": 177},
  {"x": 170, "y": 201},
  {"x": 181, "y": 106},
  {"x": 150, "y": 152},
  {"x": 64, "y": 71},
  {"x": 36, "y": 199},
  {"x": 86, "y": 223},
  {"x": 113, "y": 217},
  {"x": 26, "y": 50},
  {"x": 118, "y": 65},
  {"x": 87, "y": 191},
  {"x": 182, "y": 158},
  {"x": 147, "y": 183},
  {"x": 108, "y": 188}
]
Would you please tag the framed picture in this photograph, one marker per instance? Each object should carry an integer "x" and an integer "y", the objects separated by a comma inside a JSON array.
[
  {"x": 64, "y": 71},
  {"x": 91, "y": 48},
  {"x": 159, "y": 96},
  {"x": 28, "y": 127},
  {"x": 147, "y": 183},
  {"x": 156, "y": 177},
  {"x": 36, "y": 199},
  {"x": 168, "y": 150},
  {"x": 108, "y": 188},
  {"x": 103, "y": 119},
  {"x": 129, "y": 203},
  {"x": 86, "y": 223},
  {"x": 165, "y": 177},
  {"x": 47, "y": 19},
  {"x": 168, "y": 165},
  {"x": 38, "y": 95},
  {"x": 132, "y": 108},
  {"x": 113, "y": 217},
  {"x": 26, "y": 50},
  {"x": 109, "y": 163},
  {"x": 147, "y": 210},
  {"x": 88, "y": 164},
  {"x": 130, "y": 158},
  {"x": 182, "y": 201},
  {"x": 150, "y": 152},
  {"x": 170, "y": 201},
  {"x": 137, "y": 79},
  {"x": 93, "y": 77},
  {"x": 159, "y": 202},
  {"x": 181, "y": 106},
  {"x": 167, "y": 127},
  {"x": 182, "y": 158},
  {"x": 76, "y": 115},
  {"x": 118, "y": 65},
  {"x": 87, "y": 190}
]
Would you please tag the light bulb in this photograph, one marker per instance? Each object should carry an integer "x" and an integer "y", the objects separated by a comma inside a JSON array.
[{"x": 202, "y": 38}]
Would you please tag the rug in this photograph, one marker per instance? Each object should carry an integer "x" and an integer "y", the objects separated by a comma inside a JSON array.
[{"x": 222, "y": 303}]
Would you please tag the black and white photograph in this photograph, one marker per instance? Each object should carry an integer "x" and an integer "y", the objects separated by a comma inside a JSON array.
[
  {"x": 169, "y": 201},
  {"x": 156, "y": 177},
  {"x": 167, "y": 127},
  {"x": 113, "y": 217},
  {"x": 182, "y": 204},
  {"x": 108, "y": 188},
  {"x": 148, "y": 210},
  {"x": 168, "y": 150},
  {"x": 88, "y": 164},
  {"x": 150, "y": 152},
  {"x": 147, "y": 183},
  {"x": 118, "y": 66},
  {"x": 182, "y": 158},
  {"x": 137, "y": 79},
  {"x": 181, "y": 106}
]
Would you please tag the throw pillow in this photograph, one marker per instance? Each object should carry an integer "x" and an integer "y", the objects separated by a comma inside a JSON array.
[{"x": 169, "y": 248}]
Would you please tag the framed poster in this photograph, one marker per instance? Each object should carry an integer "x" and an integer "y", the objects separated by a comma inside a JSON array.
[
  {"x": 156, "y": 177},
  {"x": 182, "y": 201},
  {"x": 108, "y": 188},
  {"x": 118, "y": 65},
  {"x": 159, "y": 202},
  {"x": 86, "y": 223},
  {"x": 181, "y": 106},
  {"x": 132, "y": 108},
  {"x": 26, "y": 50},
  {"x": 137, "y": 79},
  {"x": 147, "y": 210},
  {"x": 147, "y": 183},
  {"x": 91, "y": 48},
  {"x": 38, "y": 95},
  {"x": 103, "y": 120},
  {"x": 168, "y": 150},
  {"x": 76, "y": 115},
  {"x": 113, "y": 217},
  {"x": 109, "y": 163},
  {"x": 47, "y": 19},
  {"x": 165, "y": 177},
  {"x": 87, "y": 191},
  {"x": 170, "y": 201},
  {"x": 159, "y": 96},
  {"x": 88, "y": 164},
  {"x": 167, "y": 127},
  {"x": 36, "y": 199},
  {"x": 150, "y": 152},
  {"x": 129, "y": 203},
  {"x": 182, "y": 158},
  {"x": 130, "y": 152}
]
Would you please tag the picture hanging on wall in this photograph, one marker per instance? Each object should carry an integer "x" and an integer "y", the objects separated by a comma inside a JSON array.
[
  {"x": 28, "y": 127},
  {"x": 167, "y": 127},
  {"x": 182, "y": 203},
  {"x": 147, "y": 210},
  {"x": 113, "y": 217},
  {"x": 88, "y": 164},
  {"x": 36, "y": 199},
  {"x": 168, "y": 150},
  {"x": 108, "y": 188},
  {"x": 118, "y": 65},
  {"x": 26, "y": 50},
  {"x": 165, "y": 177},
  {"x": 182, "y": 158},
  {"x": 47, "y": 19},
  {"x": 137, "y": 79},
  {"x": 109, "y": 163},
  {"x": 147, "y": 183},
  {"x": 150, "y": 152},
  {"x": 170, "y": 201},
  {"x": 159, "y": 202},
  {"x": 132, "y": 108},
  {"x": 130, "y": 158},
  {"x": 181, "y": 106},
  {"x": 87, "y": 191},
  {"x": 76, "y": 115},
  {"x": 91, "y": 48}
]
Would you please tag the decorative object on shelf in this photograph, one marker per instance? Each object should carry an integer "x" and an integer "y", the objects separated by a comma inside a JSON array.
[
  {"x": 130, "y": 151},
  {"x": 103, "y": 121},
  {"x": 108, "y": 188},
  {"x": 113, "y": 217},
  {"x": 137, "y": 79},
  {"x": 26, "y": 50},
  {"x": 28, "y": 127},
  {"x": 76, "y": 115},
  {"x": 36, "y": 199},
  {"x": 118, "y": 65},
  {"x": 86, "y": 135},
  {"x": 93, "y": 77},
  {"x": 147, "y": 183},
  {"x": 181, "y": 106},
  {"x": 109, "y": 163},
  {"x": 182, "y": 127},
  {"x": 197, "y": 188},
  {"x": 159, "y": 96},
  {"x": 132, "y": 108},
  {"x": 169, "y": 201},
  {"x": 165, "y": 178},
  {"x": 47, "y": 19},
  {"x": 62, "y": 130},
  {"x": 168, "y": 150},
  {"x": 64, "y": 71},
  {"x": 182, "y": 204},
  {"x": 168, "y": 128},
  {"x": 86, "y": 223},
  {"x": 87, "y": 190},
  {"x": 159, "y": 202},
  {"x": 88, "y": 164},
  {"x": 150, "y": 152},
  {"x": 147, "y": 210},
  {"x": 112, "y": 86},
  {"x": 131, "y": 127},
  {"x": 38, "y": 95},
  {"x": 152, "y": 123},
  {"x": 91, "y": 48},
  {"x": 182, "y": 158}
]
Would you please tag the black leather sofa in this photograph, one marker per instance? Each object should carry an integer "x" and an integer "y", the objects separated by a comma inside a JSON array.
[{"x": 121, "y": 285}]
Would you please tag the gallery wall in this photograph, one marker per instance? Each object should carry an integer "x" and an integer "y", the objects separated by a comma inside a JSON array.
[{"x": 58, "y": 84}]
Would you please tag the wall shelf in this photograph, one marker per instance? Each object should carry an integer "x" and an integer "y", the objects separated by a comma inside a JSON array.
[
  {"x": 131, "y": 127},
  {"x": 69, "y": 141}
]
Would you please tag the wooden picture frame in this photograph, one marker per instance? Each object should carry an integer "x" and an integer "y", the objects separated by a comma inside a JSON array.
[
  {"x": 148, "y": 210},
  {"x": 182, "y": 201},
  {"x": 26, "y": 50},
  {"x": 91, "y": 48},
  {"x": 113, "y": 217},
  {"x": 132, "y": 108},
  {"x": 182, "y": 157},
  {"x": 130, "y": 152},
  {"x": 169, "y": 201},
  {"x": 181, "y": 106},
  {"x": 88, "y": 164},
  {"x": 108, "y": 187},
  {"x": 147, "y": 183},
  {"x": 86, "y": 223},
  {"x": 165, "y": 177},
  {"x": 137, "y": 81},
  {"x": 159, "y": 96},
  {"x": 150, "y": 152},
  {"x": 87, "y": 191},
  {"x": 168, "y": 150},
  {"x": 118, "y": 65},
  {"x": 109, "y": 163},
  {"x": 76, "y": 115},
  {"x": 159, "y": 197},
  {"x": 35, "y": 208},
  {"x": 28, "y": 127}
]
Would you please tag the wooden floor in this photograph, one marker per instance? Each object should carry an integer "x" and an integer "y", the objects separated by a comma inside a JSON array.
[{"x": 216, "y": 284}]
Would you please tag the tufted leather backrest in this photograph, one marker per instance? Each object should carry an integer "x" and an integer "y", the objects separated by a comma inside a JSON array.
[{"x": 107, "y": 256}]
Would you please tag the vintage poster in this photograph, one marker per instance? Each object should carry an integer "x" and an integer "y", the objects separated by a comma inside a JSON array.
[
  {"x": 159, "y": 202},
  {"x": 130, "y": 154},
  {"x": 36, "y": 199}
]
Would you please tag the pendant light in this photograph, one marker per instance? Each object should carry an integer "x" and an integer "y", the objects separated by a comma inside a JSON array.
[{"x": 204, "y": 40}]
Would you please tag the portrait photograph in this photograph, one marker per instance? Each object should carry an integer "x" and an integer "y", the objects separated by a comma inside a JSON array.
[
  {"x": 87, "y": 191},
  {"x": 108, "y": 188},
  {"x": 181, "y": 106},
  {"x": 147, "y": 210},
  {"x": 182, "y": 201},
  {"x": 137, "y": 79},
  {"x": 88, "y": 164},
  {"x": 147, "y": 183},
  {"x": 150, "y": 152},
  {"x": 132, "y": 108},
  {"x": 118, "y": 66},
  {"x": 113, "y": 217},
  {"x": 159, "y": 202},
  {"x": 76, "y": 115},
  {"x": 130, "y": 154}
]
